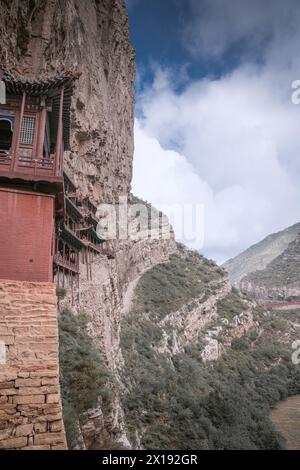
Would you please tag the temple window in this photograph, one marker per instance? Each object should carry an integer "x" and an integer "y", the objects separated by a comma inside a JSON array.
[{"x": 27, "y": 131}]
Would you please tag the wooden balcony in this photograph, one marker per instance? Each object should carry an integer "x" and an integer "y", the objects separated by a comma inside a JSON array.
[
  {"x": 28, "y": 168},
  {"x": 67, "y": 264}
]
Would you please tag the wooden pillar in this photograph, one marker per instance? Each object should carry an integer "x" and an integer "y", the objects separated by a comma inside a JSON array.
[
  {"x": 64, "y": 254},
  {"x": 18, "y": 137},
  {"x": 41, "y": 134},
  {"x": 72, "y": 288},
  {"x": 58, "y": 163},
  {"x": 91, "y": 261},
  {"x": 87, "y": 263},
  {"x": 78, "y": 288}
]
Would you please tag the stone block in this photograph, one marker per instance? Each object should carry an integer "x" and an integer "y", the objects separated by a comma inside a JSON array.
[
  {"x": 10, "y": 384},
  {"x": 49, "y": 438},
  {"x": 30, "y": 391},
  {"x": 53, "y": 398},
  {"x": 7, "y": 340},
  {"x": 23, "y": 375},
  {"x": 8, "y": 375},
  {"x": 44, "y": 373},
  {"x": 56, "y": 426},
  {"x": 40, "y": 427},
  {"x": 30, "y": 399},
  {"x": 24, "y": 430},
  {"x": 8, "y": 391},
  {"x": 58, "y": 447},
  {"x": 28, "y": 382},
  {"x": 13, "y": 443},
  {"x": 50, "y": 381},
  {"x": 8, "y": 408},
  {"x": 5, "y": 433},
  {"x": 49, "y": 418},
  {"x": 30, "y": 447}
]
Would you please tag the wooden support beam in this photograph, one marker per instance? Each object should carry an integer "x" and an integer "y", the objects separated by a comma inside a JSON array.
[
  {"x": 41, "y": 134},
  {"x": 18, "y": 137},
  {"x": 58, "y": 162}
]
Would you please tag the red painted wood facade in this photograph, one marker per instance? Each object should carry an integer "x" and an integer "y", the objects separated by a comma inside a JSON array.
[
  {"x": 26, "y": 235},
  {"x": 31, "y": 176}
]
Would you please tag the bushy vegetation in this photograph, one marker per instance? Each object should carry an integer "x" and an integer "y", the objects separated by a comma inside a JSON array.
[
  {"x": 182, "y": 403},
  {"x": 231, "y": 305},
  {"x": 167, "y": 287},
  {"x": 179, "y": 402},
  {"x": 84, "y": 377},
  {"x": 290, "y": 315},
  {"x": 282, "y": 271}
]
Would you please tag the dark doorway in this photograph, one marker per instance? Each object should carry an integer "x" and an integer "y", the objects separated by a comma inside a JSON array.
[{"x": 6, "y": 134}]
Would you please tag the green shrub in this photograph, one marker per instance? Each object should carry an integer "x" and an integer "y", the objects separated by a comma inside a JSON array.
[
  {"x": 84, "y": 377},
  {"x": 239, "y": 344},
  {"x": 231, "y": 305},
  {"x": 61, "y": 292},
  {"x": 168, "y": 286}
]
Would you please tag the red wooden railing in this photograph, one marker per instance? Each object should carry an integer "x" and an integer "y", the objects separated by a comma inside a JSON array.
[
  {"x": 65, "y": 263},
  {"x": 5, "y": 157},
  {"x": 27, "y": 165}
]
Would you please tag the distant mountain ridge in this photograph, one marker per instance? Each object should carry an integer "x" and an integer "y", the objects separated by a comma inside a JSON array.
[
  {"x": 279, "y": 280},
  {"x": 260, "y": 255}
]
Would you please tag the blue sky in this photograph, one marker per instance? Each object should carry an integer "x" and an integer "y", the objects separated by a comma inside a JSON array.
[
  {"x": 215, "y": 124},
  {"x": 157, "y": 30}
]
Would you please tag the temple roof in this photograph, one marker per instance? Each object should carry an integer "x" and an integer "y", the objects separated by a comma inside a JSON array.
[
  {"x": 17, "y": 84},
  {"x": 45, "y": 87}
]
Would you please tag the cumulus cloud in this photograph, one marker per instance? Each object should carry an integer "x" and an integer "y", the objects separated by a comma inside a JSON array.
[{"x": 231, "y": 143}]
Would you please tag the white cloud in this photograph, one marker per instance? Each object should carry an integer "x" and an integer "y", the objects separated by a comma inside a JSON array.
[{"x": 236, "y": 138}]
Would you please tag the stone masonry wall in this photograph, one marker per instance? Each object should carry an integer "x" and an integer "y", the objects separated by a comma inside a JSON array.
[{"x": 30, "y": 402}]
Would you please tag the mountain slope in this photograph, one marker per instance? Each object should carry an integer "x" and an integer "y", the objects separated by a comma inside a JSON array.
[
  {"x": 279, "y": 280},
  {"x": 258, "y": 256},
  {"x": 203, "y": 365}
]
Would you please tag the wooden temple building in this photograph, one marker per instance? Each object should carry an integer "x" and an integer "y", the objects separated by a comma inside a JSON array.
[{"x": 47, "y": 227}]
